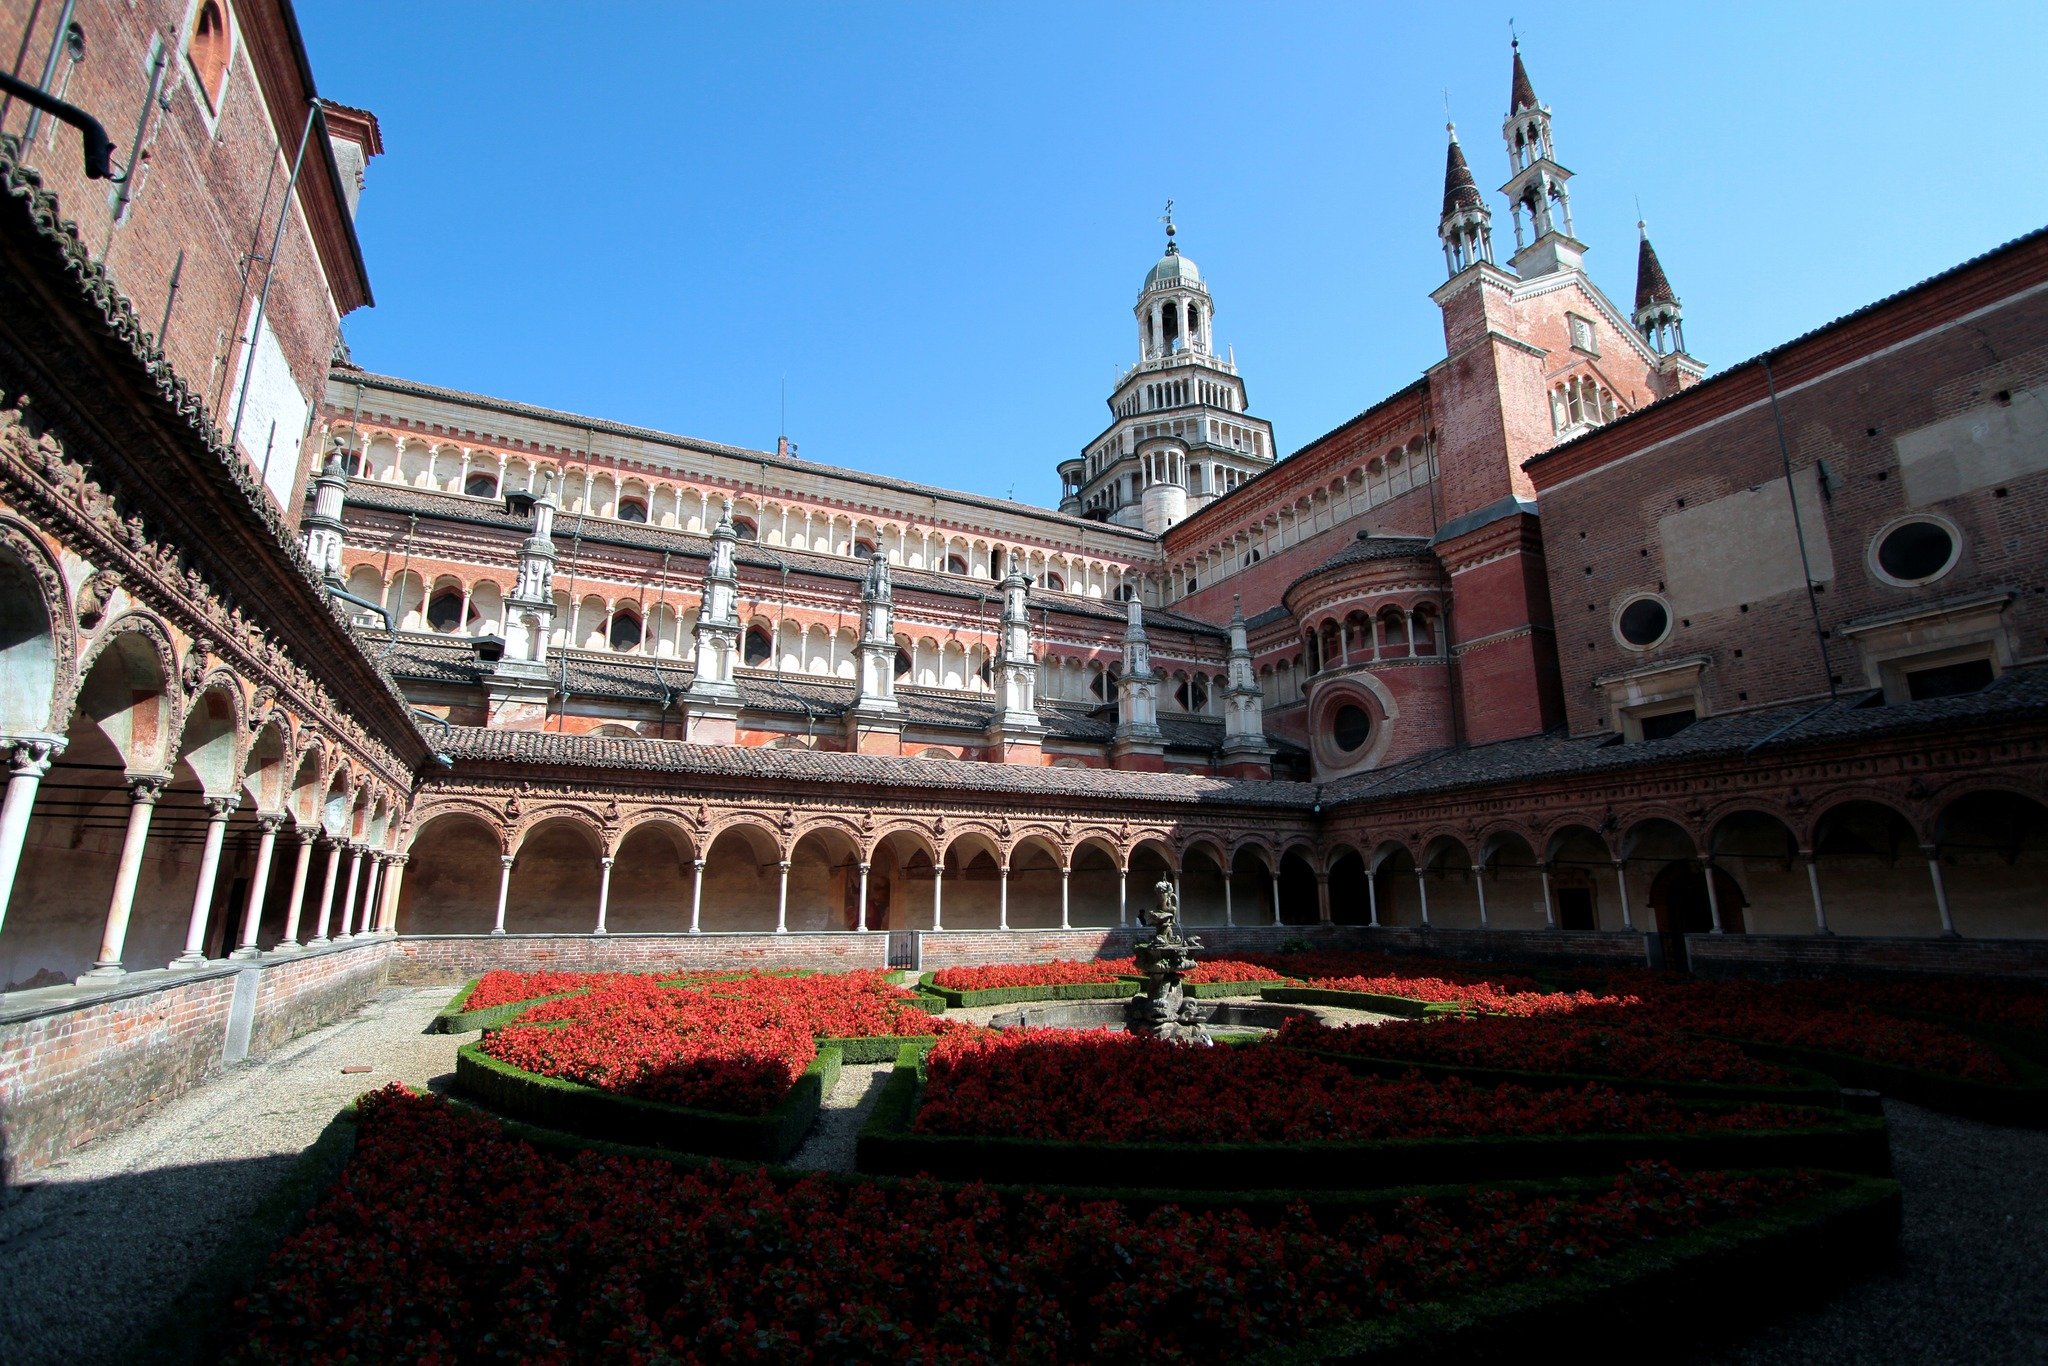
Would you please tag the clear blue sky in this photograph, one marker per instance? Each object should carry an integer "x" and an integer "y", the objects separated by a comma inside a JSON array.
[{"x": 934, "y": 219}]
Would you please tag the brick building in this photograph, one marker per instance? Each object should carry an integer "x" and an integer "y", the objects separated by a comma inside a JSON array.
[{"x": 1565, "y": 648}]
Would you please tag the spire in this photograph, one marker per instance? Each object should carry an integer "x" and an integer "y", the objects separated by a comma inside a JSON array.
[
  {"x": 1651, "y": 286},
  {"x": 1521, "y": 94},
  {"x": 1015, "y": 673},
  {"x": 1245, "y": 750},
  {"x": 1658, "y": 316},
  {"x": 875, "y": 676},
  {"x": 1460, "y": 190}
]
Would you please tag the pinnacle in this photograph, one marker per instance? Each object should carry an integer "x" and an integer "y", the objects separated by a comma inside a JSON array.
[
  {"x": 1460, "y": 191},
  {"x": 1651, "y": 285},
  {"x": 1521, "y": 94}
]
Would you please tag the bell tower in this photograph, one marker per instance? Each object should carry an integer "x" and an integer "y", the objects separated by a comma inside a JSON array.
[{"x": 1539, "y": 189}]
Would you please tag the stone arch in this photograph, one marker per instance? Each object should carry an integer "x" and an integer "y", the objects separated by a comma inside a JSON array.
[
  {"x": 900, "y": 877},
  {"x": 1097, "y": 891},
  {"x": 308, "y": 768},
  {"x": 210, "y": 748},
  {"x": 1345, "y": 866},
  {"x": 547, "y": 814},
  {"x": 266, "y": 769},
  {"x": 974, "y": 889},
  {"x": 1990, "y": 849},
  {"x": 653, "y": 857},
  {"x": 127, "y": 690},
  {"x": 452, "y": 872},
  {"x": 1510, "y": 877},
  {"x": 556, "y": 874},
  {"x": 1828, "y": 803},
  {"x": 1759, "y": 850},
  {"x": 38, "y": 642},
  {"x": 1863, "y": 849},
  {"x": 1395, "y": 890},
  {"x": 742, "y": 877},
  {"x": 824, "y": 878},
  {"x": 1581, "y": 864}
]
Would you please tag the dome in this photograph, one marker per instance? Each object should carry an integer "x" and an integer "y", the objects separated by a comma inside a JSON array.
[{"x": 1174, "y": 269}]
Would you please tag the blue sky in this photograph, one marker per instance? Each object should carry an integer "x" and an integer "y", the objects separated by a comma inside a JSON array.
[{"x": 934, "y": 219}]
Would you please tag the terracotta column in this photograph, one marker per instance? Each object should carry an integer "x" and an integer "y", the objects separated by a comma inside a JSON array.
[
  {"x": 863, "y": 924},
  {"x": 782, "y": 899},
  {"x": 697, "y": 895},
  {"x": 298, "y": 897},
  {"x": 373, "y": 883},
  {"x": 143, "y": 794},
  {"x": 218, "y": 810},
  {"x": 1948, "y": 924},
  {"x": 604, "y": 892},
  {"x": 504, "y": 886},
  {"x": 394, "y": 879},
  {"x": 28, "y": 761},
  {"x": 344, "y": 926},
  {"x": 334, "y": 848},
  {"x": 1820, "y": 910},
  {"x": 259, "y": 883}
]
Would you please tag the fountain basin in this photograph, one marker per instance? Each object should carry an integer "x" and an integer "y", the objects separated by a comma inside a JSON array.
[{"x": 1110, "y": 1015}]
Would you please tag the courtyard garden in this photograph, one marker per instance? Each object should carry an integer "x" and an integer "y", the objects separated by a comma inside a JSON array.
[{"x": 1424, "y": 1157}]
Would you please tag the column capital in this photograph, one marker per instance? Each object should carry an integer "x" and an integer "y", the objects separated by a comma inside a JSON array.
[
  {"x": 1931, "y": 851},
  {"x": 147, "y": 789},
  {"x": 398, "y": 860},
  {"x": 220, "y": 808},
  {"x": 309, "y": 836},
  {"x": 783, "y": 865},
  {"x": 1808, "y": 856},
  {"x": 505, "y": 860},
  {"x": 698, "y": 864},
  {"x": 863, "y": 866},
  {"x": 607, "y": 861},
  {"x": 32, "y": 755},
  {"x": 270, "y": 822}
]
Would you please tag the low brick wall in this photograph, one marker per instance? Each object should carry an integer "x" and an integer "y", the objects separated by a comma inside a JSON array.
[
  {"x": 964, "y": 948},
  {"x": 1793, "y": 955},
  {"x": 76, "y": 1063},
  {"x": 1615, "y": 948},
  {"x": 432, "y": 960}
]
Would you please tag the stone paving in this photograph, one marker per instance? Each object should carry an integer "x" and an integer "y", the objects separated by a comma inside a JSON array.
[{"x": 95, "y": 1249}]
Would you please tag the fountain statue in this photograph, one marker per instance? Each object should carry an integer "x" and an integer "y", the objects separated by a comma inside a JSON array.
[{"x": 1164, "y": 1011}]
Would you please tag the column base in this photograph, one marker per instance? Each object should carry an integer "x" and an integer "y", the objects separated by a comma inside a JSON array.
[
  {"x": 598, "y": 932},
  {"x": 685, "y": 931},
  {"x": 102, "y": 972},
  {"x": 499, "y": 933},
  {"x": 286, "y": 949},
  {"x": 187, "y": 960},
  {"x": 245, "y": 955},
  {"x": 317, "y": 941}
]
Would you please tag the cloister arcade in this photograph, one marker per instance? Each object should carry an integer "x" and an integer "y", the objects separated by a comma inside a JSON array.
[
  {"x": 411, "y": 461},
  {"x": 162, "y": 809}
]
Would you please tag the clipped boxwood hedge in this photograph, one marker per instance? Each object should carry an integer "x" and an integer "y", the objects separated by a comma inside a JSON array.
[
  {"x": 553, "y": 1103},
  {"x": 888, "y": 1145},
  {"x": 1209, "y": 991},
  {"x": 2025, "y": 1102},
  {"x": 1003, "y": 996},
  {"x": 877, "y": 1048},
  {"x": 1811, "y": 1088},
  {"x": 454, "y": 1019}
]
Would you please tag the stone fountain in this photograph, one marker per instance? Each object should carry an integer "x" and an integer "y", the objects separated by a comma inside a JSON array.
[{"x": 1164, "y": 961}]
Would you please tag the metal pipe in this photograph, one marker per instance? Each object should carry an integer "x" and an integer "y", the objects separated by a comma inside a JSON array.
[
  {"x": 1820, "y": 637},
  {"x": 126, "y": 180},
  {"x": 284, "y": 215},
  {"x": 99, "y": 151},
  {"x": 57, "y": 43}
]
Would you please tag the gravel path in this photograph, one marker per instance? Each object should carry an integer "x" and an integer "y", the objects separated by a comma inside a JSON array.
[{"x": 94, "y": 1250}]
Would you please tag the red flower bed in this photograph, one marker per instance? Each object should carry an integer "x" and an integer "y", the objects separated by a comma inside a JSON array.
[
  {"x": 1568, "y": 1044},
  {"x": 1322, "y": 966},
  {"x": 1101, "y": 1087},
  {"x": 444, "y": 1241},
  {"x": 1994, "y": 1003},
  {"x": 1485, "y": 996},
  {"x": 1233, "y": 970},
  {"x": 734, "y": 1045},
  {"x": 503, "y": 988},
  {"x": 1061, "y": 972}
]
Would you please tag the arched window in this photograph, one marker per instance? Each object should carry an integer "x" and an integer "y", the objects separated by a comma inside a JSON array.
[
  {"x": 956, "y": 564},
  {"x": 208, "y": 51},
  {"x": 1055, "y": 584},
  {"x": 758, "y": 647},
  {"x": 625, "y": 632},
  {"x": 863, "y": 549},
  {"x": 902, "y": 663},
  {"x": 632, "y": 510},
  {"x": 444, "y": 613},
  {"x": 746, "y": 528},
  {"x": 481, "y": 486}
]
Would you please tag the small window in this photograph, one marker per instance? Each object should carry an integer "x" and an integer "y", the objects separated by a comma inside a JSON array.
[
  {"x": 1351, "y": 728},
  {"x": 1949, "y": 680},
  {"x": 625, "y": 632},
  {"x": 481, "y": 486},
  {"x": 758, "y": 648},
  {"x": 444, "y": 613},
  {"x": 632, "y": 510},
  {"x": 208, "y": 52},
  {"x": 745, "y": 528},
  {"x": 1666, "y": 724},
  {"x": 863, "y": 549},
  {"x": 1055, "y": 584},
  {"x": 956, "y": 564},
  {"x": 903, "y": 663},
  {"x": 1918, "y": 550},
  {"x": 1643, "y": 622}
]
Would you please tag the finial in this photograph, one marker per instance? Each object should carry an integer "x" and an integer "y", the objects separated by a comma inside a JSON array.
[
  {"x": 1514, "y": 39},
  {"x": 1452, "y": 129},
  {"x": 1167, "y": 218},
  {"x": 1642, "y": 229}
]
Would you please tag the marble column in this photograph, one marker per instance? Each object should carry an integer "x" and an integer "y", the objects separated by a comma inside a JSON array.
[
  {"x": 28, "y": 762},
  {"x": 143, "y": 795},
  {"x": 259, "y": 883}
]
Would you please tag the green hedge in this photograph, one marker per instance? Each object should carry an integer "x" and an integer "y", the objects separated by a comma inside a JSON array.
[
  {"x": 1003, "y": 996},
  {"x": 1404, "y": 1006},
  {"x": 878, "y": 1048},
  {"x": 1209, "y": 991},
  {"x": 2028, "y": 1043},
  {"x": 585, "y": 1110},
  {"x": 2023, "y": 1103},
  {"x": 1811, "y": 1088},
  {"x": 888, "y": 1146},
  {"x": 453, "y": 1019},
  {"x": 1628, "y": 1302}
]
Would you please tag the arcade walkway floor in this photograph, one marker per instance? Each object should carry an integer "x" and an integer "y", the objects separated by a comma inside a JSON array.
[{"x": 93, "y": 1251}]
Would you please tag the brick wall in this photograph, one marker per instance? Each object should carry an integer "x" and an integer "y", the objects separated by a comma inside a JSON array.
[
  {"x": 1759, "y": 955},
  {"x": 457, "y": 958},
  {"x": 74, "y": 1070}
]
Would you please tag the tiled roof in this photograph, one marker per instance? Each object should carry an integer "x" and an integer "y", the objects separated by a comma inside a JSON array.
[
  {"x": 717, "y": 762},
  {"x": 1521, "y": 94},
  {"x": 1460, "y": 190},
  {"x": 1364, "y": 548},
  {"x": 2021, "y": 695},
  {"x": 1651, "y": 286},
  {"x": 371, "y": 493}
]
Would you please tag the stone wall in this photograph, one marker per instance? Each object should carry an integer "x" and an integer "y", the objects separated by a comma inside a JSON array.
[
  {"x": 77, "y": 1066},
  {"x": 452, "y": 959},
  {"x": 1761, "y": 955}
]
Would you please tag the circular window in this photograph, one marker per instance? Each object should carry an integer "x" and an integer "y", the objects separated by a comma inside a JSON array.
[
  {"x": 1915, "y": 551},
  {"x": 1643, "y": 622},
  {"x": 1351, "y": 727}
]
